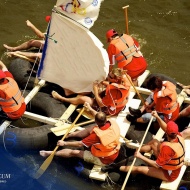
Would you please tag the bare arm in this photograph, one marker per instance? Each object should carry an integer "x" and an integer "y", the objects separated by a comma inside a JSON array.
[
  {"x": 36, "y": 30},
  {"x": 147, "y": 160},
  {"x": 3, "y": 67},
  {"x": 89, "y": 108},
  {"x": 69, "y": 143},
  {"x": 97, "y": 96},
  {"x": 162, "y": 123},
  {"x": 81, "y": 134}
]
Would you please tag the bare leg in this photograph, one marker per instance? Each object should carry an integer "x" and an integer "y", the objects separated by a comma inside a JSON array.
[
  {"x": 183, "y": 86},
  {"x": 26, "y": 45},
  {"x": 80, "y": 99},
  {"x": 30, "y": 55},
  {"x": 187, "y": 91},
  {"x": 185, "y": 112},
  {"x": 186, "y": 133},
  {"x": 149, "y": 171},
  {"x": 66, "y": 153}
]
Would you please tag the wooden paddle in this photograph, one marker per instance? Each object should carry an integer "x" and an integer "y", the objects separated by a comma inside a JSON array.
[
  {"x": 141, "y": 98},
  {"x": 126, "y": 19},
  {"x": 129, "y": 172},
  {"x": 47, "y": 162}
]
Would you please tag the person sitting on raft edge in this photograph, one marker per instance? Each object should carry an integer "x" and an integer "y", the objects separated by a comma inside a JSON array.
[
  {"x": 101, "y": 150},
  {"x": 125, "y": 52},
  {"x": 163, "y": 99},
  {"x": 11, "y": 100},
  {"x": 169, "y": 155},
  {"x": 109, "y": 97}
]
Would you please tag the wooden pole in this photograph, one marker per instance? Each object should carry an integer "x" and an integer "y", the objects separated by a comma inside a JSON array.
[
  {"x": 141, "y": 98},
  {"x": 126, "y": 19},
  {"x": 129, "y": 172},
  {"x": 48, "y": 161}
]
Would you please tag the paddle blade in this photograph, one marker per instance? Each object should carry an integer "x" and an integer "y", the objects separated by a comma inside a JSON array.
[{"x": 44, "y": 166}]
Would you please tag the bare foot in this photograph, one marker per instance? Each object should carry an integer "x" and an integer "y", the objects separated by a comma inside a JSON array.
[
  {"x": 8, "y": 47},
  {"x": 11, "y": 54},
  {"x": 56, "y": 95},
  {"x": 45, "y": 153}
]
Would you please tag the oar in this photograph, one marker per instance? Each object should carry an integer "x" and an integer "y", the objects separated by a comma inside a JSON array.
[
  {"x": 47, "y": 162},
  {"x": 129, "y": 172},
  {"x": 139, "y": 95},
  {"x": 126, "y": 19}
]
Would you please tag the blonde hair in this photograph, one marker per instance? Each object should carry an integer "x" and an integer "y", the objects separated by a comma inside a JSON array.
[{"x": 118, "y": 72}]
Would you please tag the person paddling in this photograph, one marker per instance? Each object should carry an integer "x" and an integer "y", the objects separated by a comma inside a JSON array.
[
  {"x": 169, "y": 154},
  {"x": 101, "y": 141}
]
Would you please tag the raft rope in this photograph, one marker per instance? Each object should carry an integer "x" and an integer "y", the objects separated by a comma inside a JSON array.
[{"x": 35, "y": 62}]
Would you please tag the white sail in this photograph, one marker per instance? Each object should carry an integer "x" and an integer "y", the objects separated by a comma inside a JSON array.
[{"x": 73, "y": 57}]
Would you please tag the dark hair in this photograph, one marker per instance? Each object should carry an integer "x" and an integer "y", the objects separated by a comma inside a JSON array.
[
  {"x": 153, "y": 83},
  {"x": 100, "y": 118},
  {"x": 172, "y": 135}
]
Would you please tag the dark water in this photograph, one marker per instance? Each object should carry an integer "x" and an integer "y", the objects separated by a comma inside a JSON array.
[{"x": 162, "y": 28}]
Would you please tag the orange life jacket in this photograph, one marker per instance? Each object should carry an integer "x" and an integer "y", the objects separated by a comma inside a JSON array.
[
  {"x": 109, "y": 140},
  {"x": 13, "y": 99},
  {"x": 178, "y": 159},
  {"x": 125, "y": 50},
  {"x": 167, "y": 104},
  {"x": 111, "y": 100}
]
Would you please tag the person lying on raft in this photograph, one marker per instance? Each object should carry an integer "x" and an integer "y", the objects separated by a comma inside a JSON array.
[
  {"x": 11, "y": 100},
  {"x": 169, "y": 154},
  {"x": 110, "y": 98},
  {"x": 101, "y": 141},
  {"x": 186, "y": 89},
  {"x": 163, "y": 99},
  {"x": 31, "y": 43}
]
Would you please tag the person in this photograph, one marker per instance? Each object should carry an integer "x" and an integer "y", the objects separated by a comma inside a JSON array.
[
  {"x": 11, "y": 100},
  {"x": 102, "y": 142},
  {"x": 125, "y": 51},
  {"x": 163, "y": 99},
  {"x": 15, "y": 51},
  {"x": 31, "y": 43},
  {"x": 186, "y": 89},
  {"x": 110, "y": 97},
  {"x": 169, "y": 154}
]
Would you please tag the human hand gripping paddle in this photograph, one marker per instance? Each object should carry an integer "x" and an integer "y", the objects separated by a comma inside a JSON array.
[
  {"x": 48, "y": 160},
  {"x": 129, "y": 172}
]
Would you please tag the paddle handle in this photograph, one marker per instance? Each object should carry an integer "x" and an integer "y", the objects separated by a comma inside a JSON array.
[
  {"x": 141, "y": 98},
  {"x": 126, "y": 18},
  {"x": 69, "y": 129},
  {"x": 129, "y": 172}
]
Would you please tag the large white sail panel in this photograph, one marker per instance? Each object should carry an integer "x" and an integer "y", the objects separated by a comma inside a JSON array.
[
  {"x": 83, "y": 11},
  {"x": 76, "y": 60}
]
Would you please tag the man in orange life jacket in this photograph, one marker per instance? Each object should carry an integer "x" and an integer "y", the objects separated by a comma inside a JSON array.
[
  {"x": 11, "y": 100},
  {"x": 112, "y": 98},
  {"x": 125, "y": 51},
  {"x": 101, "y": 140},
  {"x": 169, "y": 154},
  {"x": 163, "y": 100}
]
